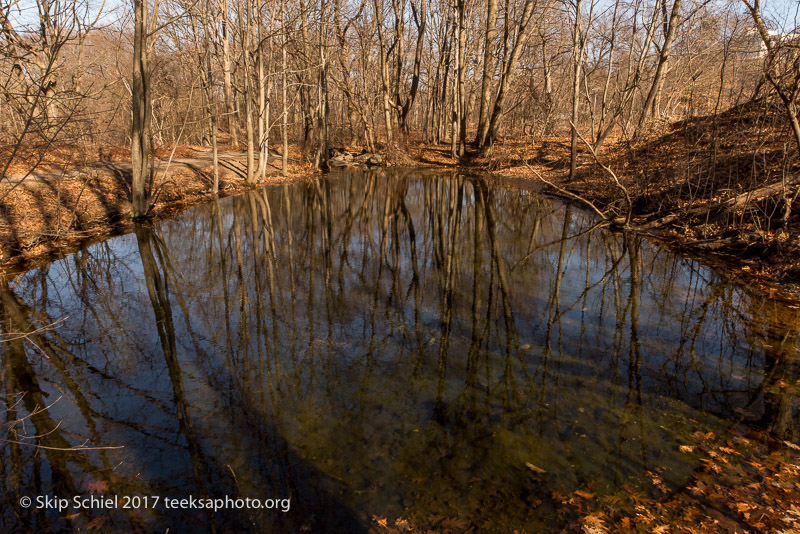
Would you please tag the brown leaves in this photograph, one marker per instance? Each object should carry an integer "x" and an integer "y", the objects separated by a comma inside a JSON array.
[
  {"x": 592, "y": 524},
  {"x": 742, "y": 507},
  {"x": 739, "y": 484},
  {"x": 431, "y": 524},
  {"x": 74, "y": 197},
  {"x": 384, "y": 525},
  {"x": 97, "y": 486}
]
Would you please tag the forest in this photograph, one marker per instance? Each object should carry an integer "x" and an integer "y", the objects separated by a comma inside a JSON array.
[
  {"x": 404, "y": 265},
  {"x": 677, "y": 118}
]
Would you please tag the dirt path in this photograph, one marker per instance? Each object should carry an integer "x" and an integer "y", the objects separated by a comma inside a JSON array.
[{"x": 53, "y": 209}]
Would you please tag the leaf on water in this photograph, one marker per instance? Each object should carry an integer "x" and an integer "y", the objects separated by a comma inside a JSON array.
[
  {"x": 711, "y": 466},
  {"x": 593, "y": 525},
  {"x": 534, "y": 468},
  {"x": 686, "y": 448},
  {"x": 402, "y": 524},
  {"x": 97, "y": 523},
  {"x": 97, "y": 486},
  {"x": 698, "y": 488}
]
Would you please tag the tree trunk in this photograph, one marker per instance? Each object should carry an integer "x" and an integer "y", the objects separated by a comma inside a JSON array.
[
  {"x": 577, "y": 61},
  {"x": 140, "y": 132},
  {"x": 670, "y": 26},
  {"x": 384, "y": 66},
  {"x": 322, "y": 102},
  {"x": 488, "y": 71},
  {"x": 208, "y": 85},
  {"x": 462, "y": 108},
  {"x": 227, "y": 82},
  {"x": 263, "y": 115},
  {"x": 285, "y": 118},
  {"x": 454, "y": 117},
  {"x": 507, "y": 76}
]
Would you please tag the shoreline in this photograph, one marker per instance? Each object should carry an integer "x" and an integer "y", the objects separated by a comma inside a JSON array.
[
  {"x": 44, "y": 219},
  {"x": 190, "y": 186}
]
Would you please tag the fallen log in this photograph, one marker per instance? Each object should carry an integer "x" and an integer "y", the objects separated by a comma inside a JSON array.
[{"x": 725, "y": 206}]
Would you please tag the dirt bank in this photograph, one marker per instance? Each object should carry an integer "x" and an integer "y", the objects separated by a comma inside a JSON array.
[
  {"x": 676, "y": 179},
  {"x": 694, "y": 185},
  {"x": 69, "y": 200}
]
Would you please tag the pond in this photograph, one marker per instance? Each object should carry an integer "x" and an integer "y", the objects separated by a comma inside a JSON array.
[{"x": 433, "y": 348}]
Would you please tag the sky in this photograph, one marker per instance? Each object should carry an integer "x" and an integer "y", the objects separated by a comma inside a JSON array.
[{"x": 785, "y": 14}]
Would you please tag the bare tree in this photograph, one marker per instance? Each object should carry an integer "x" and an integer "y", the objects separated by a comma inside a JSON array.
[
  {"x": 512, "y": 52},
  {"x": 40, "y": 97},
  {"x": 781, "y": 67}
]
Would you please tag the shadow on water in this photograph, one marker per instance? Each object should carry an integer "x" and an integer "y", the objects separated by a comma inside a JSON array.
[{"x": 377, "y": 344}]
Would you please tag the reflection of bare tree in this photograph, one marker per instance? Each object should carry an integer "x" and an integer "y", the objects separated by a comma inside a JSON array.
[
  {"x": 633, "y": 407},
  {"x": 34, "y": 440},
  {"x": 341, "y": 340},
  {"x": 158, "y": 291},
  {"x": 448, "y": 234},
  {"x": 778, "y": 328}
]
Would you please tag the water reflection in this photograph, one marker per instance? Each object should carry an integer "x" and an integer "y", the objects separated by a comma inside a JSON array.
[{"x": 397, "y": 345}]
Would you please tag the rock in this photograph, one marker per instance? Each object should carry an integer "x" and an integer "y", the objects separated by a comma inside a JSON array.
[
  {"x": 338, "y": 162},
  {"x": 348, "y": 159}
]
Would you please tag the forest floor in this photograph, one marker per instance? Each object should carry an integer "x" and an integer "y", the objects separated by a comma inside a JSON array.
[
  {"x": 71, "y": 196},
  {"x": 678, "y": 179}
]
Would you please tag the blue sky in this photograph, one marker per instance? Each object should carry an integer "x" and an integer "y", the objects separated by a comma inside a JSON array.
[{"x": 783, "y": 13}]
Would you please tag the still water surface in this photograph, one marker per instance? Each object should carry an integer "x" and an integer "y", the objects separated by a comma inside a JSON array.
[{"x": 392, "y": 345}]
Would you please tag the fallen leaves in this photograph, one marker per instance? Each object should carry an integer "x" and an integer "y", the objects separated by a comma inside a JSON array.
[
  {"x": 74, "y": 197},
  {"x": 593, "y": 525},
  {"x": 740, "y": 484},
  {"x": 97, "y": 486}
]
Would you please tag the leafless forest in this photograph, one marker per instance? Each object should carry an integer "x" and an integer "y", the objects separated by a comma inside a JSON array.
[
  {"x": 418, "y": 350},
  {"x": 672, "y": 105}
]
